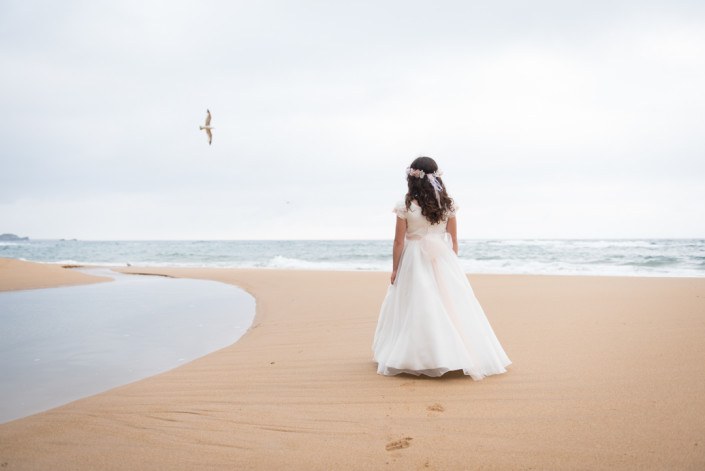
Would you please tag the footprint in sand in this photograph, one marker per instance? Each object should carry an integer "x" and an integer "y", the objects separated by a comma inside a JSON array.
[
  {"x": 399, "y": 444},
  {"x": 436, "y": 408}
]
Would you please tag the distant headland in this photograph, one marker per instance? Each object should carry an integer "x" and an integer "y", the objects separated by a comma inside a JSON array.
[{"x": 12, "y": 237}]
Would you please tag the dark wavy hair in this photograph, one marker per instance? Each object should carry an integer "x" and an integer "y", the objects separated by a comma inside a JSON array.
[{"x": 421, "y": 190}]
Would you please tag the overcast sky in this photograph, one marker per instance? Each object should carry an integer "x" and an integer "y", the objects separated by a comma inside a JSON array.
[{"x": 549, "y": 119}]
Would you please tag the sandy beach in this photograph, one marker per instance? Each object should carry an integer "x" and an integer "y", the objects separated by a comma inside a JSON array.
[
  {"x": 608, "y": 373},
  {"x": 17, "y": 274}
]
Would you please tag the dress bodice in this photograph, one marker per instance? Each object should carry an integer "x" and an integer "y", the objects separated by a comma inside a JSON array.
[{"x": 416, "y": 223}]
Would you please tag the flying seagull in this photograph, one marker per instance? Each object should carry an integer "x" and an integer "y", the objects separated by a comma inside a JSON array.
[{"x": 208, "y": 127}]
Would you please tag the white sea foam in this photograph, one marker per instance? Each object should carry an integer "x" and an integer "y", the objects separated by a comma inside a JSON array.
[
  {"x": 282, "y": 262},
  {"x": 638, "y": 257}
]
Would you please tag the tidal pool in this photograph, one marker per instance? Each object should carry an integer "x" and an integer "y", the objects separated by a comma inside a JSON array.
[{"x": 61, "y": 344}]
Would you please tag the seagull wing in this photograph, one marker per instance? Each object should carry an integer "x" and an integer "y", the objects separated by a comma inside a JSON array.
[
  {"x": 208, "y": 118},
  {"x": 210, "y": 136}
]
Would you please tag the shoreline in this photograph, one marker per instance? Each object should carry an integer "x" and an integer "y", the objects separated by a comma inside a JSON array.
[
  {"x": 571, "y": 257},
  {"x": 606, "y": 374},
  {"x": 73, "y": 268}
]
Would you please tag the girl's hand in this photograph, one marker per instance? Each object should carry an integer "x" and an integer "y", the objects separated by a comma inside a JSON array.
[{"x": 394, "y": 276}]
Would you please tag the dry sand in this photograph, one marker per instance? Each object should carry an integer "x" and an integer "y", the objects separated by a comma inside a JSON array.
[{"x": 608, "y": 373}]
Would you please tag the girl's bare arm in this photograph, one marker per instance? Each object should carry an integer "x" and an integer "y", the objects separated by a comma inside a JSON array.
[
  {"x": 399, "y": 235},
  {"x": 452, "y": 229}
]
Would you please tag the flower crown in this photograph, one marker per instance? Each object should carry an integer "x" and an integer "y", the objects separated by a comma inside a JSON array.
[
  {"x": 432, "y": 178},
  {"x": 418, "y": 173}
]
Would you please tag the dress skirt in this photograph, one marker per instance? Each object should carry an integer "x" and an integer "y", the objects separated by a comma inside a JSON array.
[{"x": 430, "y": 321}]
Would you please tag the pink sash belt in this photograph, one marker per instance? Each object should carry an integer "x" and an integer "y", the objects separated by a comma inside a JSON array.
[{"x": 432, "y": 245}]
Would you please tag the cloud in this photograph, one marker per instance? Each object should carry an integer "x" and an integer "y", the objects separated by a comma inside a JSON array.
[{"x": 324, "y": 104}]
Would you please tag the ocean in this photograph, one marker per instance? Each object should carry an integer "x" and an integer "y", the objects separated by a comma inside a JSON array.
[{"x": 621, "y": 257}]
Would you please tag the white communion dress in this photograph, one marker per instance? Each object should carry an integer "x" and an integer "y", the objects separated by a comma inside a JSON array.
[{"x": 430, "y": 321}]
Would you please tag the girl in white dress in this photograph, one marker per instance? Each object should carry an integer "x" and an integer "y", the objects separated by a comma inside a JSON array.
[{"x": 430, "y": 321}]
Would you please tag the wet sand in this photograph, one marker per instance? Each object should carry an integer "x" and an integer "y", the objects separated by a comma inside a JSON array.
[
  {"x": 607, "y": 373},
  {"x": 17, "y": 274}
]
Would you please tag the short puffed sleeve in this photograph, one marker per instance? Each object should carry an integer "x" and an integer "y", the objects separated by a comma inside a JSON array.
[
  {"x": 453, "y": 209},
  {"x": 400, "y": 210}
]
